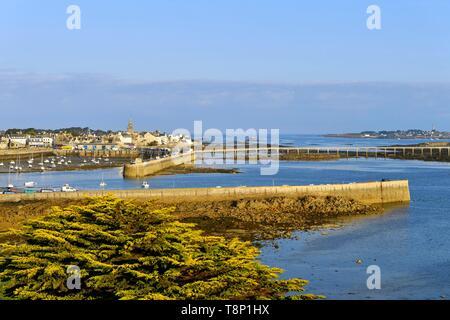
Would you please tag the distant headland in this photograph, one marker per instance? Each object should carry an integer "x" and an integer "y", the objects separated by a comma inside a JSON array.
[{"x": 398, "y": 134}]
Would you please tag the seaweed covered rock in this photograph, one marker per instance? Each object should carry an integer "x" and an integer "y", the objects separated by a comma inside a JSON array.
[{"x": 269, "y": 218}]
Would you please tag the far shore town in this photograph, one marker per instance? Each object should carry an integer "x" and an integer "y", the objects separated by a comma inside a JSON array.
[{"x": 87, "y": 139}]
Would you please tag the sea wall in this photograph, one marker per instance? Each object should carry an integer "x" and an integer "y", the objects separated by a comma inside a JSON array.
[
  {"x": 25, "y": 153},
  {"x": 129, "y": 153},
  {"x": 141, "y": 169},
  {"x": 380, "y": 192}
]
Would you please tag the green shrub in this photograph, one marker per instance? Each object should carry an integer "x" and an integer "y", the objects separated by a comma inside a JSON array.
[{"x": 130, "y": 251}]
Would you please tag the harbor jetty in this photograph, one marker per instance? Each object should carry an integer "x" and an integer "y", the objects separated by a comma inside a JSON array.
[{"x": 376, "y": 192}]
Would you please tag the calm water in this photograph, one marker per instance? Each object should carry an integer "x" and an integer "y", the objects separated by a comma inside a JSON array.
[{"x": 411, "y": 244}]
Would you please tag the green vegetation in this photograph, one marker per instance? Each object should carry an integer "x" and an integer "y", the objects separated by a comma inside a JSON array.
[
  {"x": 131, "y": 251},
  {"x": 74, "y": 131}
]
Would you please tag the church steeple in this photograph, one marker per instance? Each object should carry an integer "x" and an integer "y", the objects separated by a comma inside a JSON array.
[{"x": 130, "y": 129}]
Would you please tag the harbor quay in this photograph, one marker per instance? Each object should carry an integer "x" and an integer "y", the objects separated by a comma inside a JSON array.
[{"x": 376, "y": 192}]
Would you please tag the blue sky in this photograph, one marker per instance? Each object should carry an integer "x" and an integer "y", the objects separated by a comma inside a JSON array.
[{"x": 301, "y": 66}]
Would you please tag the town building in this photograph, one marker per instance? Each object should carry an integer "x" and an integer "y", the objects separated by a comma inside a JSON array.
[{"x": 40, "y": 142}]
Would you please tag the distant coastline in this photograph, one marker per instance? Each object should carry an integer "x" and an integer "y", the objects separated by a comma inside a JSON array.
[{"x": 397, "y": 134}]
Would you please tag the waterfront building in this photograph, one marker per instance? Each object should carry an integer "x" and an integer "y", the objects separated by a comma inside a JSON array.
[
  {"x": 18, "y": 141},
  {"x": 98, "y": 146},
  {"x": 40, "y": 142}
]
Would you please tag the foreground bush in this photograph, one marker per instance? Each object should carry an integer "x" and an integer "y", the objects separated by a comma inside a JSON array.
[{"x": 129, "y": 251}]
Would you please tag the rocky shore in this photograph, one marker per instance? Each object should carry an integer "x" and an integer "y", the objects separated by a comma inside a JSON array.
[
  {"x": 247, "y": 219},
  {"x": 270, "y": 218},
  {"x": 186, "y": 169}
]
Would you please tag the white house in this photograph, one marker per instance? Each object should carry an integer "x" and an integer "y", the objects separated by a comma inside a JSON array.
[
  {"x": 40, "y": 142},
  {"x": 125, "y": 138},
  {"x": 18, "y": 140}
]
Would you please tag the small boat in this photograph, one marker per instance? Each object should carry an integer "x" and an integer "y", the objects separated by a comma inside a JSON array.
[
  {"x": 30, "y": 184},
  {"x": 10, "y": 185},
  {"x": 1, "y": 164},
  {"x": 68, "y": 188},
  {"x": 102, "y": 183},
  {"x": 12, "y": 162},
  {"x": 42, "y": 168},
  {"x": 145, "y": 185}
]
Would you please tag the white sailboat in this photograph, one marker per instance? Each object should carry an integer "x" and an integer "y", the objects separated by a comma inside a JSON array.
[
  {"x": 42, "y": 163},
  {"x": 103, "y": 183},
  {"x": 10, "y": 185}
]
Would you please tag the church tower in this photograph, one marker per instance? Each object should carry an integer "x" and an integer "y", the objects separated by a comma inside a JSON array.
[{"x": 130, "y": 129}]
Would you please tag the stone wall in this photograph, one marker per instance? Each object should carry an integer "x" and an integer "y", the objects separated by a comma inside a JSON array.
[
  {"x": 142, "y": 169},
  {"x": 369, "y": 193}
]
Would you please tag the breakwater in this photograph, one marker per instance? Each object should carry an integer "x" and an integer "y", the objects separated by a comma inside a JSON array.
[
  {"x": 377, "y": 192},
  {"x": 141, "y": 168},
  {"x": 125, "y": 153}
]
